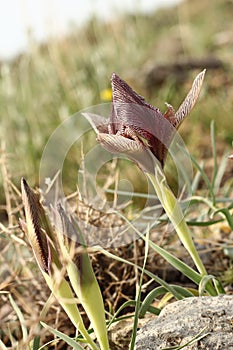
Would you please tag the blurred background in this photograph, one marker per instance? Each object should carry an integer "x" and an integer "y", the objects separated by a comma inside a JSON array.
[
  {"x": 56, "y": 58},
  {"x": 42, "y": 19}
]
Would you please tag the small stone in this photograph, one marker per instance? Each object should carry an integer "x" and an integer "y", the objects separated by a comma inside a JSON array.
[{"x": 180, "y": 322}]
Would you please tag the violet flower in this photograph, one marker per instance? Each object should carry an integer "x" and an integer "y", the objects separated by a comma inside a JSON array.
[
  {"x": 144, "y": 134},
  {"x": 137, "y": 128}
]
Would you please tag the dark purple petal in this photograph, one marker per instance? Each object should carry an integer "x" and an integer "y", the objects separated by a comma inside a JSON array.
[
  {"x": 149, "y": 125},
  {"x": 124, "y": 98},
  {"x": 122, "y": 92},
  {"x": 130, "y": 110}
]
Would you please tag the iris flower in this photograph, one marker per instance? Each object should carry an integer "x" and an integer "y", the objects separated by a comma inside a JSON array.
[
  {"x": 143, "y": 133},
  {"x": 137, "y": 128}
]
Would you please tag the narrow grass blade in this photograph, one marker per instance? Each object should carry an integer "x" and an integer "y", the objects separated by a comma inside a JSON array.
[
  {"x": 178, "y": 264},
  {"x": 63, "y": 336},
  {"x": 203, "y": 223},
  {"x": 168, "y": 287},
  {"x": 213, "y": 142},
  {"x": 20, "y": 317},
  {"x": 175, "y": 262},
  {"x": 36, "y": 342},
  {"x": 160, "y": 291},
  {"x": 196, "y": 179},
  {"x": 122, "y": 307},
  {"x": 227, "y": 214},
  {"x": 221, "y": 171},
  {"x": 115, "y": 318},
  {"x": 197, "y": 337},
  {"x": 138, "y": 300},
  {"x": 203, "y": 174},
  {"x": 217, "y": 284}
]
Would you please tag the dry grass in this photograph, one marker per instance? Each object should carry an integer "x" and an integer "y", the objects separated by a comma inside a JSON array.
[{"x": 22, "y": 281}]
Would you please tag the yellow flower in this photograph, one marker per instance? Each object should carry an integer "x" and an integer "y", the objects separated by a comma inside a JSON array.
[{"x": 106, "y": 94}]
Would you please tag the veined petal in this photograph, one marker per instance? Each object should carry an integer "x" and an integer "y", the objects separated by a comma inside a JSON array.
[
  {"x": 134, "y": 150},
  {"x": 119, "y": 143},
  {"x": 122, "y": 92},
  {"x": 99, "y": 123},
  {"x": 131, "y": 110},
  {"x": 189, "y": 100}
]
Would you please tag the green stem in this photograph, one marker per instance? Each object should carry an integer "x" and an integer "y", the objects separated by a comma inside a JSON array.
[
  {"x": 83, "y": 279},
  {"x": 88, "y": 292},
  {"x": 175, "y": 214},
  {"x": 64, "y": 295}
]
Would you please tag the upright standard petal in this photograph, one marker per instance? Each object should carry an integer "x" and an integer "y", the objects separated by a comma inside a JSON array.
[
  {"x": 131, "y": 112},
  {"x": 190, "y": 100}
]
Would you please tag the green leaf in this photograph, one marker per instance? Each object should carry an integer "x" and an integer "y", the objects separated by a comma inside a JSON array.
[
  {"x": 20, "y": 317},
  {"x": 227, "y": 214},
  {"x": 203, "y": 174},
  {"x": 217, "y": 284},
  {"x": 138, "y": 300},
  {"x": 148, "y": 273},
  {"x": 160, "y": 291},
  {"x": 213, "y": 142},
  {"x": 63, "y": 336}
]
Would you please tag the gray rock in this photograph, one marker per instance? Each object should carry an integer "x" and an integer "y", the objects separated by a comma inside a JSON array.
[{"x": 180, "y": 322}]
